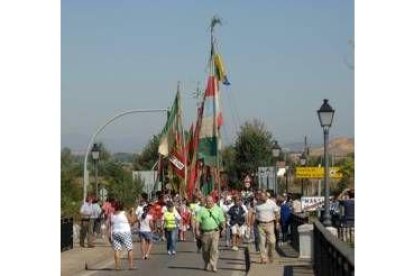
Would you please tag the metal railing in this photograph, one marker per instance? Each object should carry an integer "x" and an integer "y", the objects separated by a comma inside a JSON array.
[
  {"x": 66, "y": 234},
  {"x": 331, "y": 255},
  {"x": 297, "y": 219}
]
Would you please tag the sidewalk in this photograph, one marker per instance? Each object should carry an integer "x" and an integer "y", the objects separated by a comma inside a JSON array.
[
  {"x": 73, "y": 261},
  {"x": 285, "y": 263}
]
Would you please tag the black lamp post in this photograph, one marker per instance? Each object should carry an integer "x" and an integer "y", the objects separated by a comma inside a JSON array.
[
  {"x": 275, "y": 152},
  {"x": 287, "y": 178},
  {"x": 303, "y": 163},
  {"x": 325, "y": 114},
  {"x": 95, "y": 157}
]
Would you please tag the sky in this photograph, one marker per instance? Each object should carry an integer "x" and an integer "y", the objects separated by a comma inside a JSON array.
[{"x": 283, "y": 58}]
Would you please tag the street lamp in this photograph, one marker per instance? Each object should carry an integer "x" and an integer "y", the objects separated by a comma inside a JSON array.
[
  {"x": 275, "y": 152},
  {"x": 100, "y": 129},
  {"x": 303, "y": 163},
  {"x": 325, "y": 114},
  {"x": 287, "y": 179},
  {"x": 95, "y": 157}
]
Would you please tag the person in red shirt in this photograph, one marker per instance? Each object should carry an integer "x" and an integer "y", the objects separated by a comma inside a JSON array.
[
  {"x": 215, "y": 195},
  {"x": 156, "y": 212},
  {"x": 185, "y": 213}
]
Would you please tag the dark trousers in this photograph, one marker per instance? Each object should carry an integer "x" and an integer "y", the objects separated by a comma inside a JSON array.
[
  {"x": 97, "y": 226},
  {"x": 86, "y": 232}
]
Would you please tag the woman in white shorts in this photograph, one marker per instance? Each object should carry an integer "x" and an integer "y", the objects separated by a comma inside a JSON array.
[
  {"x": 121, "y": 235},
  {"x": 146, "y": 227}
]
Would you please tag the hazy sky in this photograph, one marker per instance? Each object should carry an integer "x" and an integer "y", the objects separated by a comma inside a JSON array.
[{"x": 283, "y": 58}]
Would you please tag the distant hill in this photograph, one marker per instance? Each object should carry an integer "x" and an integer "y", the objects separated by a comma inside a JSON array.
[
  {"x": 340, "y": 146},
  {"x": 123, "y": 156}
]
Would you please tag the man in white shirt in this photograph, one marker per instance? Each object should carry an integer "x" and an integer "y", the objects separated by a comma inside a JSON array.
[
  {"x": 96, "y": 217},
  {"x": 86, "y": 222},
  {"x": 265, "y": 215},
  {"x": 225, "y": 205},
  {"x": 143, "y": 201}
]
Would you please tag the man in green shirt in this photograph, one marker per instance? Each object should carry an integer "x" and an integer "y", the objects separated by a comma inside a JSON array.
[{"x": 208, "y": 222}]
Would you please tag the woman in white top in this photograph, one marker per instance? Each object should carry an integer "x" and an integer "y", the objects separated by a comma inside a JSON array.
[
  {"x": 146, "y": 227},
  {"x": 121, "y": 235}
]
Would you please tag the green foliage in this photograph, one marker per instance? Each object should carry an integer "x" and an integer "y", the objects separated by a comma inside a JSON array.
[
  {"x": 115, "y": 177},
  {"x": 228, "y": 157},
  {"x": 120, "y": 184},
  {"x": 348, "y": 170},
  {"x": 253, "y": 148},
  {"x": 149, "y": 155},
  {"x": 71, "y": 191}
]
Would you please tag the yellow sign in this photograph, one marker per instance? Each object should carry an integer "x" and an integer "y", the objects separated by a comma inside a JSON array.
[{"x": 316, "y": 172}]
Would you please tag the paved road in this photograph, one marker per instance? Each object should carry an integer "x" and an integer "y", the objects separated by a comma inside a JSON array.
[{"x": 187, "y": 262}]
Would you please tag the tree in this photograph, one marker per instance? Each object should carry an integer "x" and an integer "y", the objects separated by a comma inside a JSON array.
[
  {"x": 120, "y": 183},
  {"x": 346, "y": 166},
  {"x": 253, "y": 148},
  {"x": 71, "y": 192},
  {"x": 148, "y": 156},
  {"x": 229, "y": 165}
]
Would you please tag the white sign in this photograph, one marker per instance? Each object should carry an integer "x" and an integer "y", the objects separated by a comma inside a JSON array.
[
  {"x": 311, "y": 203},
  {"x": 266, "y": 177},
  {"x": 176, "y": 162}
]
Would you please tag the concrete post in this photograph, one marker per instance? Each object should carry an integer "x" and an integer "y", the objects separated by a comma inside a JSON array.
[{"x": 306, "y": 241}]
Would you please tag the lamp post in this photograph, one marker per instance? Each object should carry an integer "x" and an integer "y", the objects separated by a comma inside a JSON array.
[
  {"x": 325, "y": 115},
  {"x": 287, "y": 179},
  {"x": 95, "y": 157},
  {"x": 303, "y": 163},
  {"x": 275, "y": 152},
  {"x": 267, "y": 178},
  {"x": 91, "y": 141}
]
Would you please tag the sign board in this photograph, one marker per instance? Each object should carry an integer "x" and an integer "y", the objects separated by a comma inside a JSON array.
[
  {"x": 176, "y": 162},
  {"x": 103, "y": 194},
  {"x": 311, "y": 203},
  {"x": 266, "y": 177},
  {"x": 316, "y": 172},
  {"x": 148, "y": 178}
]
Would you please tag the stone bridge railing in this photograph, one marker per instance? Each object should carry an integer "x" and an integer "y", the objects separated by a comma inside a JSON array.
[{"x": 297, "y": 219}]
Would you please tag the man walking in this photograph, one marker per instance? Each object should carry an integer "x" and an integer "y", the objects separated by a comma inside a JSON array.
[
  {"x": 237, "y": 215},
  {"x": 265, "y": 216},
  {"x": 86, "y": 222},
  {"x": 208, "y": 222}
]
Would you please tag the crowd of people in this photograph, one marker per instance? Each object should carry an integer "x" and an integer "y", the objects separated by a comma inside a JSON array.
[{"x": 235, "y": 216}]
